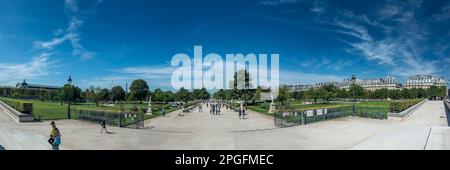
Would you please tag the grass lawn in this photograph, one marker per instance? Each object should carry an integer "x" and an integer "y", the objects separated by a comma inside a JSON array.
[{"x": 55, "y": 111}]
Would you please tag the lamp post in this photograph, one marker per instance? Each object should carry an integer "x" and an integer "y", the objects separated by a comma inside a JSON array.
[
  {"x": 69, "y": 81},
  {"x": 353, "y": 93}
]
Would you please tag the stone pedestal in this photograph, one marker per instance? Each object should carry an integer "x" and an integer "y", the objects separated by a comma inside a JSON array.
[
  {"x": 149, "y": 109},
  {"x": 272, "y": 108}
]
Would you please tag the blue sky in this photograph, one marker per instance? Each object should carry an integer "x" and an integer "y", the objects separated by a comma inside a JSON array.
[{"x": 104, "y": 42}]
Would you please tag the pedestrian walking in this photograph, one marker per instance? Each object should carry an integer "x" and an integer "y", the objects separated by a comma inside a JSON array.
[
  {"x": 55, "y": 137},
  {"x": 104, "y": 126}
]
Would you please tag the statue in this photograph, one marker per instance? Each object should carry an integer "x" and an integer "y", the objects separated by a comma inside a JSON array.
[
  {"x": 149, "y": 108},
  {"x": 272, "y": 108},
  {"x": 271, "y": 96}
]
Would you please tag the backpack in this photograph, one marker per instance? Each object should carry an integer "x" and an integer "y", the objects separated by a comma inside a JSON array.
[{"x": 57, "y": 141}]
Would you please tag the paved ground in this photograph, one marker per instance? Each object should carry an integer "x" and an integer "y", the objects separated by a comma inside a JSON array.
[
  {"x": 200, "y": 130},
  {"x": 426, "y": 128}
]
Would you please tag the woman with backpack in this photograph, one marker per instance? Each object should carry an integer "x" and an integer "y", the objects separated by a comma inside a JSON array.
[{"x": 55, "y": 137}]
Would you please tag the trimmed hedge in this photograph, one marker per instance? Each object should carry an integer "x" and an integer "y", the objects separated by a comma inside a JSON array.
[
  {"x": 399, "y": 106},
  {"x": 23, "y": 107}
]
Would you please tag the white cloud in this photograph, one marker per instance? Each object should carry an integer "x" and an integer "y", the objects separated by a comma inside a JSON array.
[
  {"x": 318, "y": 7},
  {"x": 443, "y": 15},
  {"x": 37, "y": 67},
  {"x": 71, "y": 34},
  {"x": 400, "y": 48},
  {"x": 383, "y": 52},
  {"x": 388, "y": 11},
  {"x": 354, "y": 30},
  {"x": 49, "y": 45},
  {"x": 320, "y": 63}
]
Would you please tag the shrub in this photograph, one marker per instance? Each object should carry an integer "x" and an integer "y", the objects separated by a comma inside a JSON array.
[
  {"x": 134, "y": 108},
  {"x": 399, "y": 106},
  {"x": 23, "y": 107},
  {"x": 122, "y": 107},
  {"x": 144, "y": 110}
]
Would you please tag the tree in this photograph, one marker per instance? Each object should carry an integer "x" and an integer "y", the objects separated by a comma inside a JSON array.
[
  {"x": 298, "y": 95},
  {"x": 183, "y": 95},
  {"x": 158, "y": 95},
  {"x": 168, "y": 96},
  {"x": 283, "y": 95},
  {"x": 204, "y": 94},
  {"x": 395, "y": 94},
  {"x": 77, "y": 94},
  {"x": 241, "y": 85},
  {"x": 422, "y": 93},
  {"x": 329, "y": 91},
  {"x": 220, "y": 95},
  {"x": 342, "y": 93},
  {"x": 315, "y": 94},
  {"x": 104, "y": 95},
  {"x": 357, "y": 91},
  {"x": 118, "y": 94},
  {"x": 201, "y": 94},
  {"x": 139, "y": 90},
  {"x": 413, "y": 93},
  {"x": 67, "y": 92},
  {"x": 368, "y": 94},
  {"x": 257, "y": 95},
  {"x": 405, "y": 93}
]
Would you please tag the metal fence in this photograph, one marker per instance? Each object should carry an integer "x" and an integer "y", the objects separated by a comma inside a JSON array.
[
  {"x": 303, "y": 117},
  {"x": 131, "y": 120}
]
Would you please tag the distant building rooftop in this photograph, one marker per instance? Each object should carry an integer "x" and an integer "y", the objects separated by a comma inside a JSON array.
[{"x": 25, "y": 85}]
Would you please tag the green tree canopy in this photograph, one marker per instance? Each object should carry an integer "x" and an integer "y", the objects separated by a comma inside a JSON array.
[
  {"x": 118, "y": 94},
  {"x": 139, "y": 90}
]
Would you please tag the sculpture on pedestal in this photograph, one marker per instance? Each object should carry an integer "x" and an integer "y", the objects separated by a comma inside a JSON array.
[
  {"x": 149, "y": 108},
  {"x": 272, "y": 108}
]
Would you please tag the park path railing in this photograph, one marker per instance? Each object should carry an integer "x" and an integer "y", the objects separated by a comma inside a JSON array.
[
  {"x": 303, "y": 117},
  {"x": 135, "y": 120}
]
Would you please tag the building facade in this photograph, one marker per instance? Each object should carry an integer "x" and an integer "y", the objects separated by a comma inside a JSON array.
[
  {"x": 424, "y": 81},
  {"x": 390, "y": 83}
]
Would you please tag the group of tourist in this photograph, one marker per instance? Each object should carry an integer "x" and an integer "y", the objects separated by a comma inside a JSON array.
[
  {"x": 243, "y": 111},
  {"x": 215, "y": 107}
]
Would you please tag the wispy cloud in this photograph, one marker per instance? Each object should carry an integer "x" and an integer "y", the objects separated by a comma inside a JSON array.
[
  {"x": 443, "y": 15},
  {"x": 71, "y": 33},
  {"x": 318, "y": 7},
  {"x": 400, "y": 48},
  {"x": 353, "y": 30},
  {"x": 320, "y": 63},
  {"x": 38, "y": 66}
]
